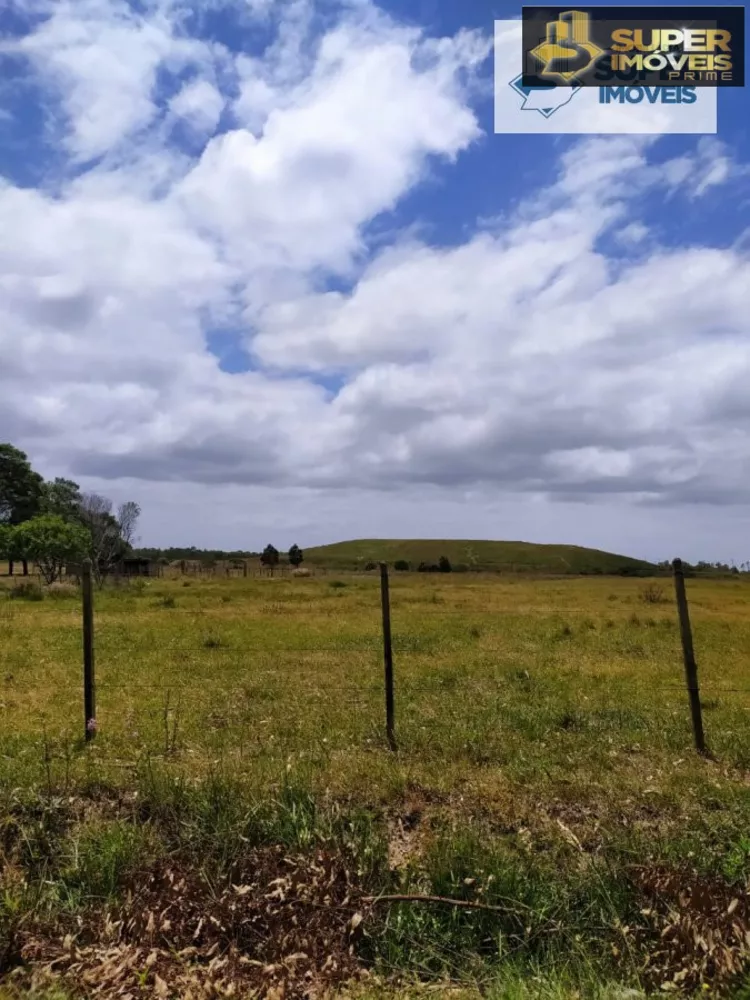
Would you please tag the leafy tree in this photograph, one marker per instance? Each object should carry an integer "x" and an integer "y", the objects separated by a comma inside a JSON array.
[
  {"x": 51, "y": 542},
  {"x": 20, "y": 491},
  {"x": 20, "y": 486},
  {"x": 270, "y": 556},
  {"x": 295, "y": 556},
  {"x": 401, "y": 564},
  {"x": 444, "y": 564},
  {"x": 6, "y": 541},
  {"x": 13, "y": 551},
  {"x": 62, "y": 498}
]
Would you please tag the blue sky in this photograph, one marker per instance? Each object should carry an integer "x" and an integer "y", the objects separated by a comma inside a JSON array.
[{"x": 271, "y": 258}]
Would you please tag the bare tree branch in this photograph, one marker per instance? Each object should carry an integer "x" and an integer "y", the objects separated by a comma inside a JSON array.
[
  {"x": 95, "y": 512},
  {"x": 127, "y": 518}
]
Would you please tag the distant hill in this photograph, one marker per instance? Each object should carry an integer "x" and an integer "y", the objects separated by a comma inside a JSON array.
[{"x": 508, "y": 557}]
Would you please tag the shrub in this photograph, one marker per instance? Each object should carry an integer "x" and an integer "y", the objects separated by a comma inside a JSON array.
[
  {"x": 402, "y": 565},
  {"x": 444, "y": 564},
  {"x": 336, "y": 584},
  {"x": 26, "y": 590},
  {"x": 370, "y": 565}
]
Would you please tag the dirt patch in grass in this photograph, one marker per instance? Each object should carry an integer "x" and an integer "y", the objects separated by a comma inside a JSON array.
[
  {"x": 406, "y": 832},
  {"x": 283, "y": 926}
]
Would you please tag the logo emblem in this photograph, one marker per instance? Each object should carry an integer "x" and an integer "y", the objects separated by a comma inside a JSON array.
[
  {"x": 544, "y": 99},
  {"x": 567, "y": 50}
]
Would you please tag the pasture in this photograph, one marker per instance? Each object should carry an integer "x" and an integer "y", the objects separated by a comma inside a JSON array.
[{"x": 544, "y": 759}]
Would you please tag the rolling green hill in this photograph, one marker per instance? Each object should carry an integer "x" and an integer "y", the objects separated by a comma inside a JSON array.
[{"x": 511, "y": 557}]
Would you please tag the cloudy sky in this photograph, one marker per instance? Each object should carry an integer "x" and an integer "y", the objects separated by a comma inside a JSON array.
[{"x": 266, "y": 268}]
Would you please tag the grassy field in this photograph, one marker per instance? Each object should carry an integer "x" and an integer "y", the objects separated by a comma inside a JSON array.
[
  {"x": 240, "y": 790},
  {"x": 487, "y": 556}
]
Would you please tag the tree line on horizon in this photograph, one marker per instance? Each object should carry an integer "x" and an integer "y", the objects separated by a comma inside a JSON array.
[{"x": 270, "y": 556}]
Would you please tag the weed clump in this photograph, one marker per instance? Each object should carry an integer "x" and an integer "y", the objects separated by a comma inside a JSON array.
[
  {"x": 62, "y": 590},
  {"x": 652, "y": 593}
]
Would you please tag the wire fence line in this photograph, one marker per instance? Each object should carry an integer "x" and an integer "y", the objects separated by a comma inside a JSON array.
[{"x": 105, "y": 638}]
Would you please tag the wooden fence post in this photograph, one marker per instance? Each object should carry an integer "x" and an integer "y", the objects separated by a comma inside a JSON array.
[
  {"x": 388, "y": 656},
  {"x": 89, "y": 686},
  {"x": 688, "y": 655}
]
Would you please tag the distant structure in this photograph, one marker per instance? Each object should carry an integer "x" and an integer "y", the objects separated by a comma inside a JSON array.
[
  {"x": 135, "y": 566},
  {"x": 128, "y": 567}
]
